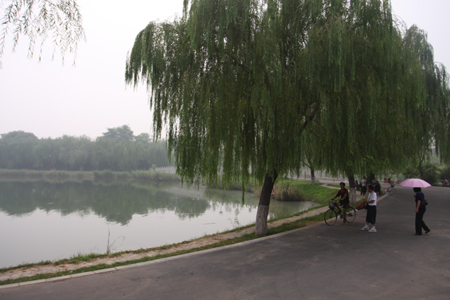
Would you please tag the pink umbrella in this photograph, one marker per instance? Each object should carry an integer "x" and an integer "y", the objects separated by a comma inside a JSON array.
[{"x": 415, "y": 182}]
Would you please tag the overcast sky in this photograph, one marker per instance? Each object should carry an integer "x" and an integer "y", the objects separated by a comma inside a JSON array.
[{"x": 51, "y": 100}]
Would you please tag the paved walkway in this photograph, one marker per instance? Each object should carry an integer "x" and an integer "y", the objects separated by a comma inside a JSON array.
[{"x": 315, "y": 262}]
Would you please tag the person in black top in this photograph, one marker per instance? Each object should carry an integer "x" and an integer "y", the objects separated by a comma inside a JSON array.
[
  {"x": 344, "y": 201},
  {"x": 420, "y": 210}
]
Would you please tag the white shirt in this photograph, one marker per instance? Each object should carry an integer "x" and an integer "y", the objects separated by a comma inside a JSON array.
[
  {"x": 372, "y": 196},
  {"x": 363, "y": 182}
]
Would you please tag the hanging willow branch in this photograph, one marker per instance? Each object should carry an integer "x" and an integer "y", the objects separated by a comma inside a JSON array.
[{"x": 39, "y": 20}]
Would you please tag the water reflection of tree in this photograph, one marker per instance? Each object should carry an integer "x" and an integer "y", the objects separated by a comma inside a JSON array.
[
  {"x": 232, "y": 200},
  {"x": 116, "y": 202},
  {"x": 119, "y": 201}
]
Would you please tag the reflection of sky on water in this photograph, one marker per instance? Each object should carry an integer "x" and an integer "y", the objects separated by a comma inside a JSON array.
[{"x": 52, "y": 231}]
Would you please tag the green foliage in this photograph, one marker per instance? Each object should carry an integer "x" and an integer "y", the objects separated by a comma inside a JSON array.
[
  {"x": 105, "y": 174},
  {"x": 39, "y": 19},
  {"x": 293, "y": 190},
  {"x": 230, "y": 85},
  {"x": 16, "y": 149},
  {"x": 239, "y": 97},
  {"x": 431, "y": 174},
  {"x": 411, "y": 172},
  {"x": 117, "y": 150},
  {"x": 242, "y": 87},
  {"x": 315, "y": 193},
  {"x": 123, "y": 133},
  {"x": 285, "y": 192},
  {"x": 383, "y": 117},
  {"x": 445, "y": 173},
  {"x": 431, "y": 119}
]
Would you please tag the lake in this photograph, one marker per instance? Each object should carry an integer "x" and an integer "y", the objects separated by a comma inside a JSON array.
[{"x": 51, "y": 221}]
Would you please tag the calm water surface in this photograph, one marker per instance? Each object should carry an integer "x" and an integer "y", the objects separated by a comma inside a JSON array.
[{"x": 50, "y": 221}]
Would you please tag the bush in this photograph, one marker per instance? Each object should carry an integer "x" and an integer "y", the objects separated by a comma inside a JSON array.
[
  {"x": 431, "y": 174},
  {"x": 286, "y": 192},
  {"x": 411, "y": 172},
  {"x": 445, "y": 173},
  {"x": 105, "y": 174}
]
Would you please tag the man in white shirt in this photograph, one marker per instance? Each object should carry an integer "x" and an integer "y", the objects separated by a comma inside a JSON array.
[{"x": 371, "y": 204}]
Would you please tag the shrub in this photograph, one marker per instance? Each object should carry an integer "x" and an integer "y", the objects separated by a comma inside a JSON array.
[
  {"x": 411, "y": 172},
  {"x": 445, "y": 173},
  {"x": 285, "y": 192},
  {"x": 105, "y": 174},
  {"x": 430, "y": 174}
]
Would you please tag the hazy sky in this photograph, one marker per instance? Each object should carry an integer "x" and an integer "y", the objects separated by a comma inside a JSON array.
[{"x": 51, "y": 100}]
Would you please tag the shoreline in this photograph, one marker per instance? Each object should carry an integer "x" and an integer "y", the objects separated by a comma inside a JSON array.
[
  {"x": 79, "y": 264},
  {"x": 80, "y": 176},
  {"x": 60, "y": 269},
  {"x": 101, "y": 263}
]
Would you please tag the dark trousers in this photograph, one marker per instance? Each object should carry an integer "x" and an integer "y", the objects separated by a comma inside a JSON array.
[
  {"x": 363, "y": 190},
  {"x": 371, "y": 214},
  {"x": 420, "y": 223}
]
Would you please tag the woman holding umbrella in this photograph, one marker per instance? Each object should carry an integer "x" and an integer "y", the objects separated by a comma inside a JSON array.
[
  {"x": 417, "y": 185},
  {"x": 420, "y": 210}
]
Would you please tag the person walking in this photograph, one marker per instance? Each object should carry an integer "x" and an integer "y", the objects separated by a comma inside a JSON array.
[
  {"x": 420, "y": 211},
  {"x": 371, "y": 203},
  {"x": 363, "y": 186}
]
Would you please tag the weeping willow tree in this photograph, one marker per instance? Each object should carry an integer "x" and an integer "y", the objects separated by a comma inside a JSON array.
[
  {"x": 402, "y": 106},
  {"x": 38, "y": 20},
  {"x": 431, "y": 118},
  {"x": 365, "y": 127},
  {"x": 236, "y": 83}
]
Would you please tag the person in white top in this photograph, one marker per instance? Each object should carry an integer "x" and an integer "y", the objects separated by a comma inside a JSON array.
[
  {"x": 363, "y": 187},
  {"x": 371, "y": 204}
]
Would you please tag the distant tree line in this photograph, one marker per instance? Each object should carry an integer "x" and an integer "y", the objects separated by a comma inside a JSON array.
[{"x": 118, "y": 149}]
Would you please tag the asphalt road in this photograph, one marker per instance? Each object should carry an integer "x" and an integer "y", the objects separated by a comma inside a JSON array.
[{"x": 316, "y": 262}]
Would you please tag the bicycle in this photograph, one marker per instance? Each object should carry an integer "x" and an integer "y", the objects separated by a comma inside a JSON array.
[
  {"x": 334, "y": 211},
  {"x": 391, "y": 190}
]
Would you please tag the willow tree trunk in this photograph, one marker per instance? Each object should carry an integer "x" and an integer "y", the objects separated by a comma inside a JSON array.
[
  {"x": 371, "y": 179},
  {"x": 264, "y": 202},
  {"x": 351, "y": 183},
  {"x": 421, "y": 169},
  {"x": 313, "y": 178}
]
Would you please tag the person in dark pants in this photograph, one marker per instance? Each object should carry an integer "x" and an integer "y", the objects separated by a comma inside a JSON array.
[
  {"x": 344, "y": 201},
  {"x": 363, "y": 186},
  {"x": 371, "y": 204},
  {"x": 420, "y": 210}
]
